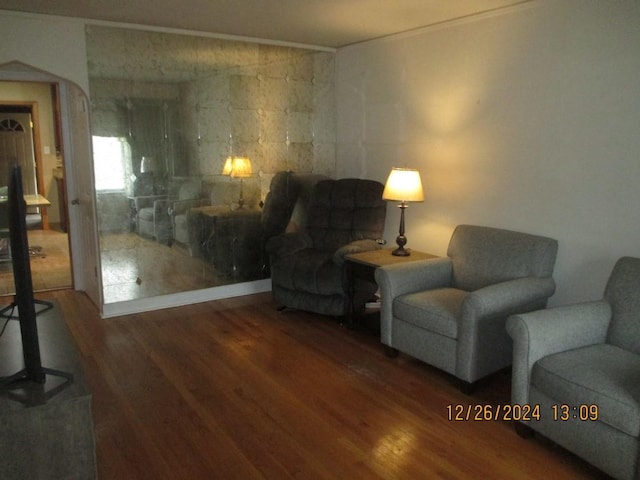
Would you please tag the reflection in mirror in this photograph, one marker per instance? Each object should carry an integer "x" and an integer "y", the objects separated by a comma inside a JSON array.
[{"x": 167, "y": 111}]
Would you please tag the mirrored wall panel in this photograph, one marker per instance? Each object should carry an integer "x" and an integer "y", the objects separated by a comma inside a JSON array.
[{"x": 188, "y": 132}]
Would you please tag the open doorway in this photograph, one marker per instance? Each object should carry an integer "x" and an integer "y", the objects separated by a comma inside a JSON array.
[{"x": 29, "y": 137}]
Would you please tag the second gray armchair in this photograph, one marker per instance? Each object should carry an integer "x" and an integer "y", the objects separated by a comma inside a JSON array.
[
  {"x": 580, "y": 366},
  {"x": 450, "y": 312}
]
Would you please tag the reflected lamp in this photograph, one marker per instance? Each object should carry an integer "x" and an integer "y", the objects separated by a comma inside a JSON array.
[
  {"x": 404, "y": 186},
  {"x": 238, "y": 167},
  {"x": 147, "y": 165}
]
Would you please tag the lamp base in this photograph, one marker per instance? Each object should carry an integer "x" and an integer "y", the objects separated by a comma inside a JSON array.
[
  {"x": 401, "y": 252},
  {"x": 401, "y": 240}
]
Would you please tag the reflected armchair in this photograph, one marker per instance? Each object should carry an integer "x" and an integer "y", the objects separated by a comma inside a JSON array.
[
  {"x": 189, "y": 196},
  {"x": 307, "y": 267},
  {"x": 585, "y": 356},
  {"x": 155, "y": 214},
  {"x": 451, "y": 312},
  {"x": 147, "y": 209}
]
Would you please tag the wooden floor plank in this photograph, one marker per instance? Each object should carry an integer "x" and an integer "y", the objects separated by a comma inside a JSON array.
[{"x": 235, "y": 389}]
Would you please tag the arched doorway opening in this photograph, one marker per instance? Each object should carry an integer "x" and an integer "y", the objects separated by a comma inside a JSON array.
[{"x": 74, "y": 139}]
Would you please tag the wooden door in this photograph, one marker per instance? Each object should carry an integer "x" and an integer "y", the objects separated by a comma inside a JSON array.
[
  {"x": 80, "y": 189},
  {"x": 16, "y": 147}
]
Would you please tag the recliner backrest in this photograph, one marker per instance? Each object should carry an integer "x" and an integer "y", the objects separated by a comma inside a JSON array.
[
  {"x": 483, "y": 256},
  {"x": 306, "y": 181},
  {"x": 279, "y": 203},
  {"x": 344, "y": 210},
  {"x": 623, "y": 294},
  {"x": 190, "y": 189}
]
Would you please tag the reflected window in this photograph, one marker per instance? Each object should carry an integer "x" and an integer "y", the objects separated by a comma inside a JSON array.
[{"x": 112, "y": 157}]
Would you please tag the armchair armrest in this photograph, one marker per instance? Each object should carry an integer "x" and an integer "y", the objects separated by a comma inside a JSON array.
[
  {"x": 538, "y": 334},
  {"x": 401, "y": 278},
  {"x": 181, "y": 207},
  {"x": 356, "y": 246},
  {"x": 507, "y": 298},
  {"x": 483, "y": 317},
  {"x": 288, "y": 244},
  {"x": 146, "y": 201}
]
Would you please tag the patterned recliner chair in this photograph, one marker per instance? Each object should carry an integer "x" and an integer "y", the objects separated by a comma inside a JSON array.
[{"x": 307, "y": 267}]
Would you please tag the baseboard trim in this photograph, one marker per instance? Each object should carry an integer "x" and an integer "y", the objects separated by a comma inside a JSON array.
[{"x": 110, "y": 310}]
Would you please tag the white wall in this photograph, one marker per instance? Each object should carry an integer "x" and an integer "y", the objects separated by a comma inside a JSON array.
[
  {"x": 52, "y": 44},
  {"x": 528, "y": 120}
]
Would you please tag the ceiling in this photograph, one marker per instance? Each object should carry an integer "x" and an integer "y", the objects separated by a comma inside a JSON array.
[{"x": 322, "y": 23}]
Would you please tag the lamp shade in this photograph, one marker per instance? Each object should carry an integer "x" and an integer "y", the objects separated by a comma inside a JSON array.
[
  {"x": 228, "y": 165},
  {"x": 237, "y": 167},
  {"x": 147, "y": 165},
  {"x": 403, "y": 185}
]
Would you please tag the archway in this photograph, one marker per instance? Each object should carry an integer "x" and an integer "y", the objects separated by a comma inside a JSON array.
[{"x": 75, "y": 146}]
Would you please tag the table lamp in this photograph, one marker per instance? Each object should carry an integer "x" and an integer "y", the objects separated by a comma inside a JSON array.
[
  {"x": 238, "y": 167},
  {"x": 404, "y": 186},
  {"x": 147, "y": 165}
]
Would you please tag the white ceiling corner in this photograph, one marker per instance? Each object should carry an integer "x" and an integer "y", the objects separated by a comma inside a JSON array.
[{"x": 321, "y": 23}]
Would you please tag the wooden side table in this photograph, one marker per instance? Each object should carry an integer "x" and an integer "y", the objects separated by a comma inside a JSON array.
[{"x": 363, "y": 266}]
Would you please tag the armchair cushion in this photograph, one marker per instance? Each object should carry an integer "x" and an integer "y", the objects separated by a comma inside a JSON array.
[
  {"x": 602, "y": 375},
  {"x": 310, "y": 271},
  {"x": 145, "y": 214},
  {"x": 435, "y": 310}
]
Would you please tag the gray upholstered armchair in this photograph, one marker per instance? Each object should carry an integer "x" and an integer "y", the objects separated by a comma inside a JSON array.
[
  {"x": 189, "y": 196},
  {"x": 147, "y": 209},
  {"x": 451, "y": 312},
  {"x": 580, "y": 365},
  {"x": 307, "y": 267},
  {"x": 155, "y": 214}
]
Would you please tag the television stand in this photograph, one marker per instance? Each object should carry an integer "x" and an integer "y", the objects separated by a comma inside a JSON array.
[{"x": 13, "y": 305}]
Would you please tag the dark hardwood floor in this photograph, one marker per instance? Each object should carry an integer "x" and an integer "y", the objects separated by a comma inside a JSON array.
[{"x": 235, "y": 389}]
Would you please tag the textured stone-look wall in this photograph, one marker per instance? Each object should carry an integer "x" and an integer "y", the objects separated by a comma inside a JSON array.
[{"x": 273, "y": 104}]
